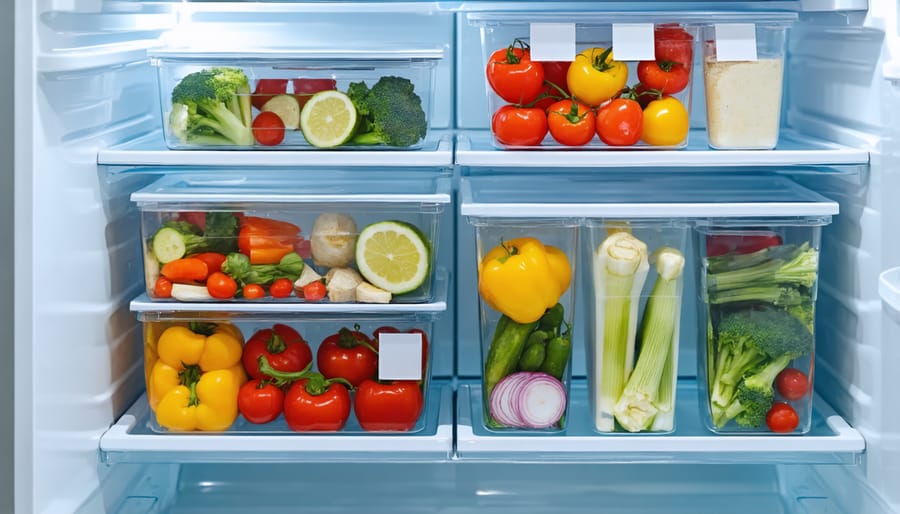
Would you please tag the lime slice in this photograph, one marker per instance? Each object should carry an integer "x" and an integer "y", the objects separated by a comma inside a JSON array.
[
  {"x": 393, "y": 255},
  {"x": 328, "y": 119}
]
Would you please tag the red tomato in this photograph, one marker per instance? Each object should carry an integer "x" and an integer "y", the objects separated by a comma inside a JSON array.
[
  {"x": 555, "y": 73},
  {"x": 268, "y": 129},
  {"x": 281, "y": 288},
  {"x": 620, "y": 122},
  {"x": 669, "y": 77},
  {"x": 723, "y": 244},
  {"x": 571, "y": 123},
  {"x": 393, "y": 406},
  {"x": 254, "y": 291},
  {"x": 162, "y": 288},
  {"x": 316, "y": 404},
  {"x": 513, "y": 76},
  {"x": 305, "y": 88},
  {"x": 673, "y": 43},
  {"x": 393, "y": 330},
  {"x": 314, "y": 291},
  {"x": 260, "y": 401},
  {"x": 220, "y": 285},
  {"x": 782, "y": 418},
  {"x": 792, "y": 384},
  {"x": 213, "y": 260},
  {"x": 347, "y": 354},
  {"x": 519, "y": 126},
  {"x": 266, "y": 89},
  {"x": 281, "y": 345}
]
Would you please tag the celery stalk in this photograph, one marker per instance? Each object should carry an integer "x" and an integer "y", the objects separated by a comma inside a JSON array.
[
  {"x": 639, "y": 403},
  {"x": 620, "y": 269}
]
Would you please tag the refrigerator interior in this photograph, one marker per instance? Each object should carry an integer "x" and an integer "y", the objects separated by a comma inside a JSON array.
[{"x": 85, "y": 92}]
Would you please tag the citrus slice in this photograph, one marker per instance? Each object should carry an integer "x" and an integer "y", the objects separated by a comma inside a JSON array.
[
  {"x": 393, "y": 255},
  {"x": 328, "y": 119}
]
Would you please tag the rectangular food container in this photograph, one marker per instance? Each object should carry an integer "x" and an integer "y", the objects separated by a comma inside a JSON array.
[
  {"x": 214, "y": 356},
  {"x": 743, "y": 73},
  {"x": 372, "y": 241},
  {"x": 570, "y": 50},
  {"x": 284, "y": 82},
  {"x": 636, "y": 278}
]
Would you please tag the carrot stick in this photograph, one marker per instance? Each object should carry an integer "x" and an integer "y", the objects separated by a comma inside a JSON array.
[{"x": 187, "y": 269}]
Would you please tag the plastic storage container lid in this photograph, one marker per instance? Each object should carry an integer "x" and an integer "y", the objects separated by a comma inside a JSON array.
[
  {"x": 336, "y": 57},
  {"x": 633, "y": 196},
  {"x": 587, "y": 18}
]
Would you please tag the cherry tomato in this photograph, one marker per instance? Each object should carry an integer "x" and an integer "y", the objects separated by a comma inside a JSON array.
[
  {"x": 394, "y": 406},
  {"x": 741, "y": 243},
  {"x": 268, "y": 129},
  {"x": 162, "y": 288},
  {"x": 259, "y": 401},
  {"x": 665, "y": 122},
  {"x": 376, "y": 334},
  {"x": 348, "y": 354},
  {"x": 519, "y": 126},
  {"x": 512, "y": 74},
  {"x": 314, "y": 291},
  {"x": 281, "y": 345},
  {"x": 571, "y": 123},
  {"x": 281, "y": 288},
  {"x": 220, "y": 285},
  {"x": 316, "y": 404},
  {"x": 620, "y": 122},
  {"x": 669, "y": 77},
  {"x": 254, "y": 291},
  {"x": 266, "y": 89},
  {"x": 673, "y": 43},
  {"x": 594, "y": 76},
  {"x": 213, "y": 260},
  {"x": 782, "y": 418},
  {"x": 792, "y": 384},
  {"x": 555, "y": 73},
  {"x": 305, "y": 88}
]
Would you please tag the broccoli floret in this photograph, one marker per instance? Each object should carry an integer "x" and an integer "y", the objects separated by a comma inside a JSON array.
[
  {"x": 754, "y": 395},
  {"x": 390, "y": 112},
  {"x": 212, "y": 107}
]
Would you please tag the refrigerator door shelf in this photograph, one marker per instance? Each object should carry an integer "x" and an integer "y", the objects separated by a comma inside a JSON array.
[
  {"x": 132, "y": 439},
  {"x": 830, "y": 441},
  {"x": 474, "y": 148}
]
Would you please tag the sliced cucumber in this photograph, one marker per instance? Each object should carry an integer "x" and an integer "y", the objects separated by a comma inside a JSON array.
[
  {"x": 168, "y": 245},
  {"x": 287, "y": 108}
]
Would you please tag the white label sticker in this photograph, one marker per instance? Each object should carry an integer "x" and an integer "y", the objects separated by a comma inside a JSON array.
[
  {"x": 552, "y": 41},
  {"x": 736, "y": 42},
  {"x": 633, "y": 42},
  {"x": 399, "y": 356}
]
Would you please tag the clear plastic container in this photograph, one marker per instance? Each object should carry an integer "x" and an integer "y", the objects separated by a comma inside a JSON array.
[
  {"x": 757, "y": 292},
  {"x": 665, "y": 125},
  {"x": 284, "y": 82},
  {"x": 744, "y": 92},
  {"x": 216, "y": 351},
  {"x": 637, "y": 275},
  {"x": 371, "y": 241}
]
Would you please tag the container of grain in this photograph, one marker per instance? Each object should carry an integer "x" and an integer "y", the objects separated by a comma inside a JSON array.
[{"x": 743, "y": 72}]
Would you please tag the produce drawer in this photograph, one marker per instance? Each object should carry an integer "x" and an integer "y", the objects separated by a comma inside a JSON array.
[
  {"x": 366, "y": 98},
  {"x": 220, "y": 237}
]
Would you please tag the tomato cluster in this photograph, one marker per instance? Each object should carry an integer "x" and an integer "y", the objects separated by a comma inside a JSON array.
[
  {"x": 279, "y": 361},
  {"x": 573, "y": 101}
]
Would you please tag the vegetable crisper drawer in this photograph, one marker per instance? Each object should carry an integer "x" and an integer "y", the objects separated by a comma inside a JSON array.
[
  {"x": 257, "y": 238},
  {"x": 273, "y": 99}
]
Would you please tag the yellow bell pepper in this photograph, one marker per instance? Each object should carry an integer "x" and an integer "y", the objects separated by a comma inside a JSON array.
[
  {"x": 195, "y": 380},
  {"x": 522, "y": 278}
]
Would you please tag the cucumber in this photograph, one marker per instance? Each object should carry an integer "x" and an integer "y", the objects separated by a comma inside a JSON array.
[
  {"x": 168, "y": 244},
  {"x": 287, "y": 108},
  {"x": 505, "y": 351},
  {"x": 557, "y": 356},
  {"x": 532, "y": 357}
]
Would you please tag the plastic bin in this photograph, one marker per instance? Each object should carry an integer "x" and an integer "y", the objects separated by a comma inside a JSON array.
[
  {"x": 215, "y": 351},
  {"x": 585, "y": 38},
  {"x": 353, "y": 234},
  {"x": 636, "y": 275},
  {"x": 743, "y": 71},
  {"x": 284, "y": 82},
  {"x": 757, "y": 293}
]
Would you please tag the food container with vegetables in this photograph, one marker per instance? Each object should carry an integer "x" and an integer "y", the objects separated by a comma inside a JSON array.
[
  {"x": 251, "y": 237},
  {"x": 360, "y": 99},
  {"x": 244, "y": 373},
  {"x": 743, "y": 73},
  {"x": 637, "y": 276},
  {"x": 611, "y": 81},
  {"x": 757, "y": 291}
]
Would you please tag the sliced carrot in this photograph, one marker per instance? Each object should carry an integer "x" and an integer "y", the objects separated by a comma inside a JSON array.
[{"x": 188, "y": 269}]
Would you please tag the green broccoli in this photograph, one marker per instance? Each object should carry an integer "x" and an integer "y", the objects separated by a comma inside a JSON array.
[
  {"x": 212, "y": 107},
  {"x": 390, "y": 112},
  {"x": 221, "y": 231}
]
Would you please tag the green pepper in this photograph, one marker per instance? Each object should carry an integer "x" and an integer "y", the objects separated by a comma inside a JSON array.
[
  {"x": 532, "y": 357},
  {"x": 557, "y": 356}
]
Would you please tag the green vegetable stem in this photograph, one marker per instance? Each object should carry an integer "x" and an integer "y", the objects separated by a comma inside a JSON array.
[
  {"x": 237, "y": 265},
  {"x": 212, "y": 107}
]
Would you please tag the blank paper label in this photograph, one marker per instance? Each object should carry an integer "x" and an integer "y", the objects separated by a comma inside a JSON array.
[
  {"x": 552, "y": 41},
  {"x": 633, "y": 42},
  {"x": 736, "y": 42},
  {"x": 399, "y": 356}
]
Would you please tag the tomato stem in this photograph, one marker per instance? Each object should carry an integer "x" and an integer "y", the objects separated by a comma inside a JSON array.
[
  {"x": 347, "y": 339},
  {"x": 572, "y": 116},
  {"x": 281, "y": 378},
  {"x": 199, "y": 327},
  {"x": 275, "y": 344},
  {"x": 317, "y": 384},
  {"x": 600, "y": 63},
  {"x": 511, "y": 57}
]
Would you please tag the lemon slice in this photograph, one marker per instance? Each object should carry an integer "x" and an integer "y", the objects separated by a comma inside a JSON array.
[
  {"x": 328, "y": 119},
  {"x": 393, "y": 255}
]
